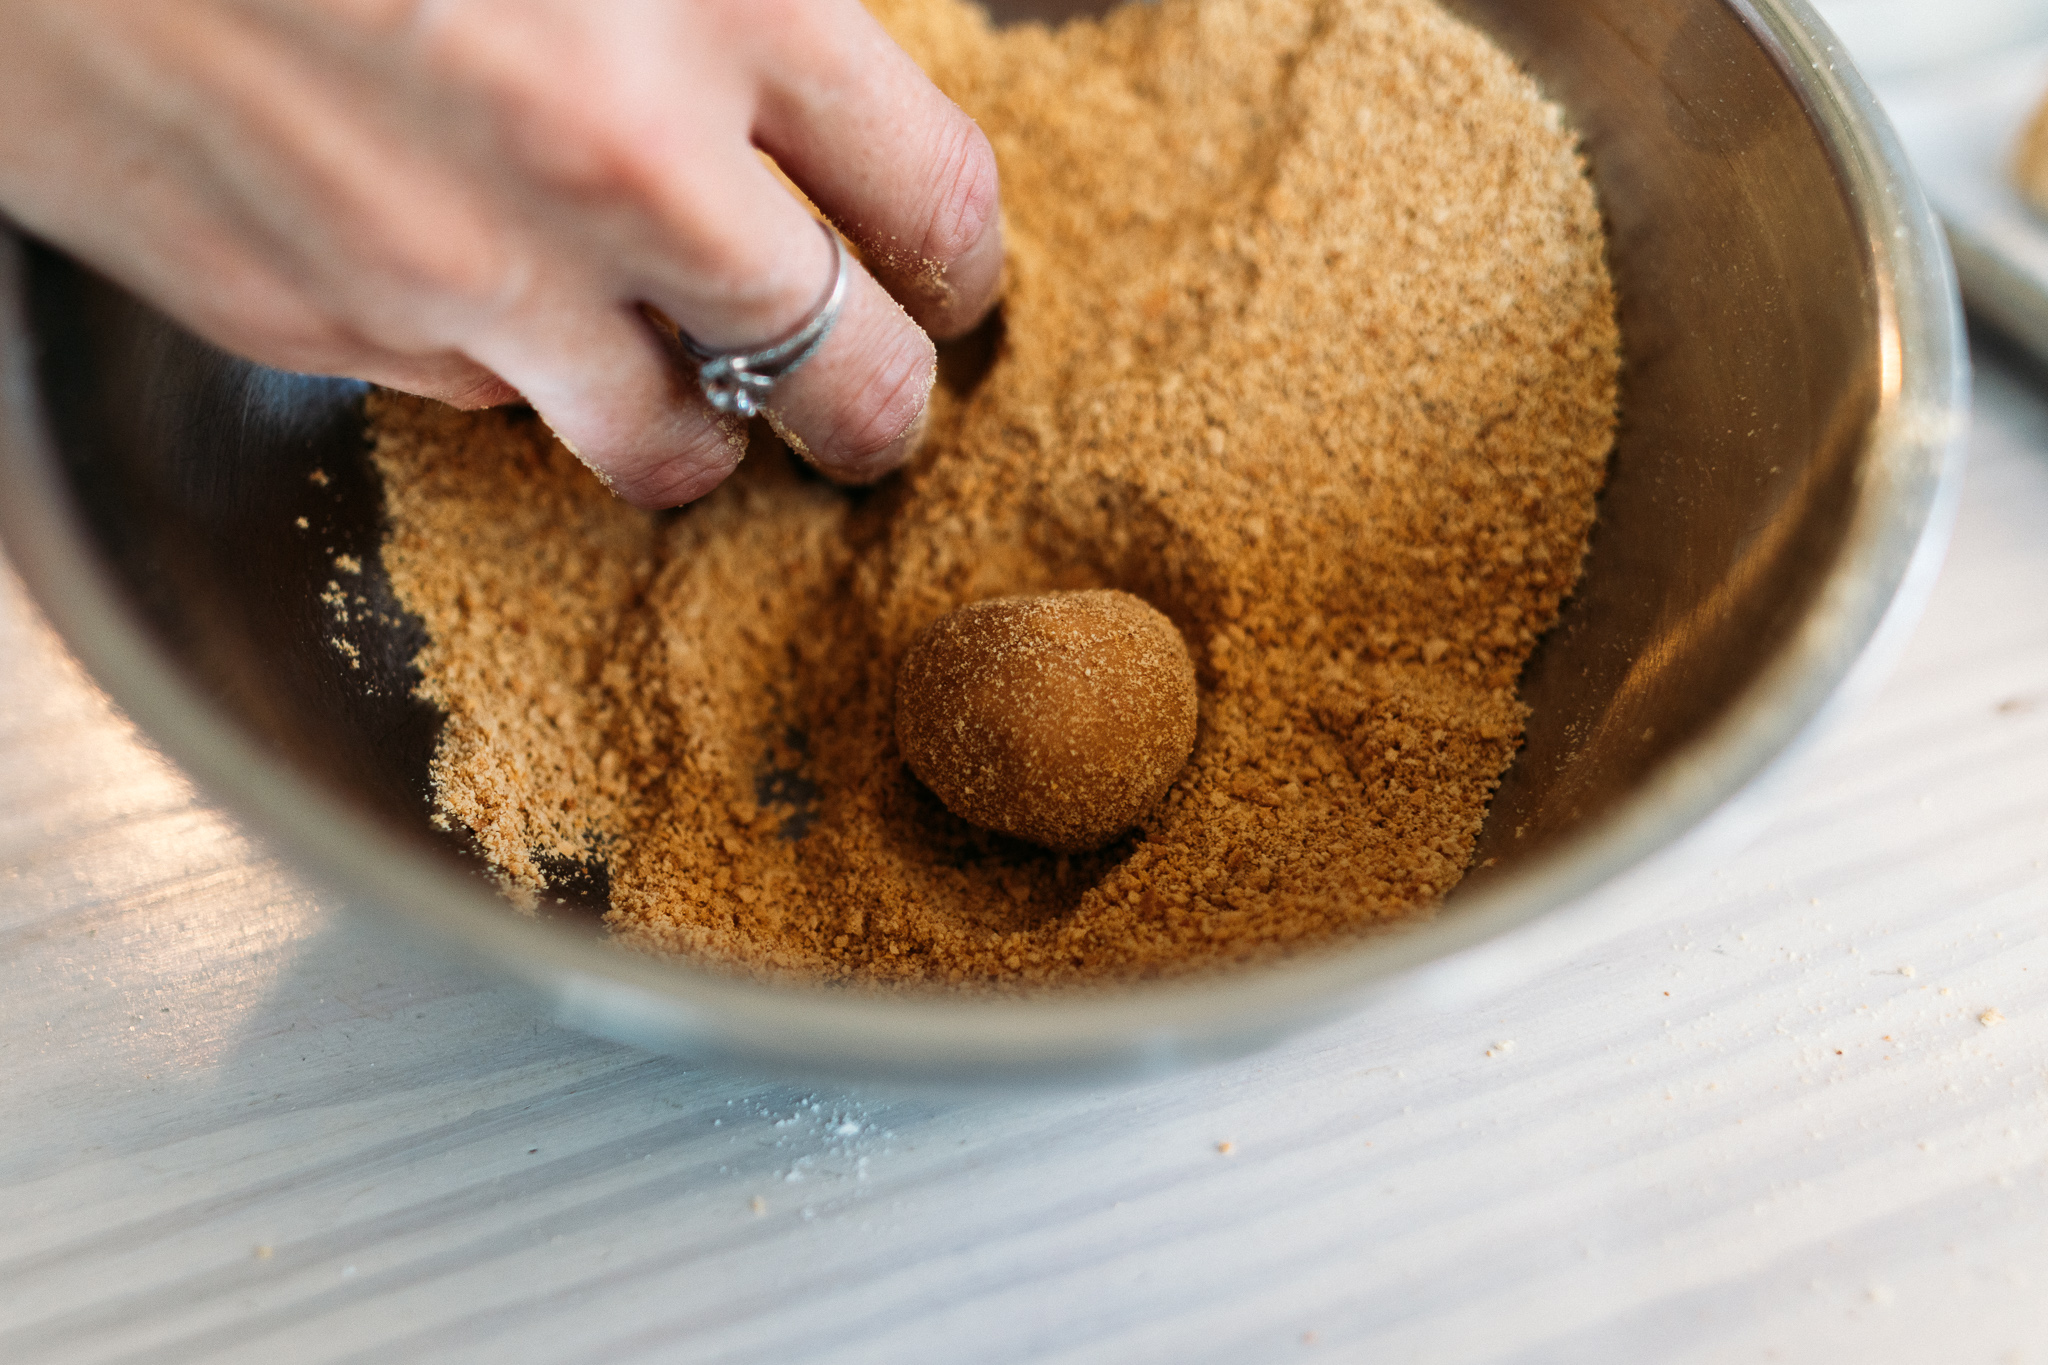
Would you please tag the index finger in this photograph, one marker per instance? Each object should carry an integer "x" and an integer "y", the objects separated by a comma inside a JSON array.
[{"x": 897, "y": 166}]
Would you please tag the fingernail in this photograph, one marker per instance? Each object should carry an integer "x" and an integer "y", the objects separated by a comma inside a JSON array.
[
  {"x": 883, "y": 462},
  {"x": 912, "y": 440},
  {"x": 897, "y": 453},
  {"x": 984, "y": 273}
]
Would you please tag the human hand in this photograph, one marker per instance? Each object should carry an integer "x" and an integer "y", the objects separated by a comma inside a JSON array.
[{"x": 471, "y": 200}]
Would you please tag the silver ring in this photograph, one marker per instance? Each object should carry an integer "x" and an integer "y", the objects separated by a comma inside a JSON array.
[{"x": 738, "y": 382}]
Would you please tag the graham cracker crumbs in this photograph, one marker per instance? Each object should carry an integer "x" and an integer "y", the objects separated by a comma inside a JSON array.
[
  {"x": 318, "y": 478},
  {"x": 1991, "y": 1018},
  {"x": 1307, "y": 341},
  {"x": 348, "y": 564}
]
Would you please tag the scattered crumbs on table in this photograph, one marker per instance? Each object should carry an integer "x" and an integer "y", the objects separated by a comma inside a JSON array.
[
  {"x": 1227, "y": 1148},
  {"x": 1991, "y": 1018},
  {"x": 347, "y": 651},
  {"x": 318, "y": 478},
  {"x": 302, "y": 523},
  {"x": 348, "y": 564},
  {"x": 1906, "y": 970},
  {"x": 1507, "y": 1045}
]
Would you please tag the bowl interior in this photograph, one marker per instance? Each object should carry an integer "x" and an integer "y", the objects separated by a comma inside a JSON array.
[{"x": 1752, "y": 325}]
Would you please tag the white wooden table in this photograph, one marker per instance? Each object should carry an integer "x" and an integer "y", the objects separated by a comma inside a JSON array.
[
  {"x": 1766, "y": 1121},
  {"x": 1797, "y": 1111}
]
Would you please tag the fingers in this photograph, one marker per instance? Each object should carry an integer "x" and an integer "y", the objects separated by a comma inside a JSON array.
[
  {"x": 502, "y": 270},
  {"x": 203, "y": 271},
  {"x": 599, "y": 377},
  {"x": 852, "y": 408},
  {"x": 889, "y": 158}
]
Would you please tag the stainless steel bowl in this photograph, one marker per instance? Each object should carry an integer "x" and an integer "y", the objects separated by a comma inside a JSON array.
[{"x": 1792, "y": 408}]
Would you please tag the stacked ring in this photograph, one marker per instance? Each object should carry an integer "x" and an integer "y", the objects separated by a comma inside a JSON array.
[{"x": 739, "y": 381}]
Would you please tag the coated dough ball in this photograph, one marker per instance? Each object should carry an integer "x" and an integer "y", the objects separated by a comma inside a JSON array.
[{"x": 1060, "y": 719}]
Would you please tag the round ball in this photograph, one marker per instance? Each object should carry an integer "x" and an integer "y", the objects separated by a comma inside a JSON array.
[{"x": 1060, "y": 718}]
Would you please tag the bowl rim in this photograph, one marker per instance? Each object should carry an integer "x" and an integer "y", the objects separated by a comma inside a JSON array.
[{"x": 1865, "y": 608}]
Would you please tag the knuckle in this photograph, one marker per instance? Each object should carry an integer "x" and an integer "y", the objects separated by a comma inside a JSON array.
[
  {"x": 731, "y": 271},
  {"x": 736, "y": 287},
  {"x": 611, "y": 167},
  {"x": 440, "y": 255},
  {"x": 550, "y": 94},
  {"x": 964, "y": 189},
  {"x": 580, "y": 149}
]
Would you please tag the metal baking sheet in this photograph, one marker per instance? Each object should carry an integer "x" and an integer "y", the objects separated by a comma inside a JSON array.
[{"x": 1961, "y": 123}]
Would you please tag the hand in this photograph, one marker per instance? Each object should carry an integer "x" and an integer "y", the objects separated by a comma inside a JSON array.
[{"x": 472, "y": 199}]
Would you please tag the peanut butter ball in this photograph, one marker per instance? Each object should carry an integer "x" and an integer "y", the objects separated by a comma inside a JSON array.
[{"x": 1060, "y": 719}]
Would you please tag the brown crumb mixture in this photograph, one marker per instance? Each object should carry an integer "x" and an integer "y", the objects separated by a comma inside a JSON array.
[{"x": 1309, "y": 343}]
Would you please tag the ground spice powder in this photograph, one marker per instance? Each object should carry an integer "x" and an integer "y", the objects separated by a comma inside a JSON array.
[{"x": 1307, "y": 340}]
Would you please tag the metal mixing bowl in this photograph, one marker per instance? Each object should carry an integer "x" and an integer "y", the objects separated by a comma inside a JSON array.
[{"x": 1792, "y": 404}]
